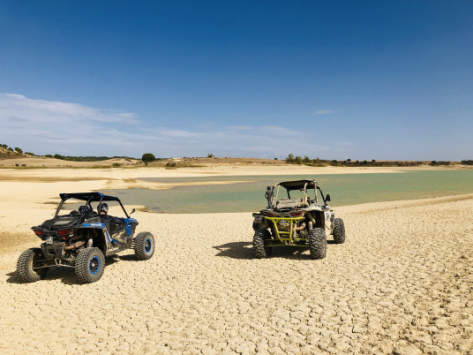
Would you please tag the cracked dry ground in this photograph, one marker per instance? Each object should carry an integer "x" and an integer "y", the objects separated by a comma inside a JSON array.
[{"x": 402, "y": 284}]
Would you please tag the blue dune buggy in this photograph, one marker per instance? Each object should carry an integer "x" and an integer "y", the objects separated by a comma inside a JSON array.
[{"x": 82, "y": 239}]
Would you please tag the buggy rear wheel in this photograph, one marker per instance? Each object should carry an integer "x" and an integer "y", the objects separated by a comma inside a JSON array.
[
  {"x": 90, "y": 264},
  {"x": 144, "y": 246},
  {"x": 27, "y": 266},
  {"x": 318, "y": 243},
  {"x": 258, "y": 244},
  {"x": 339, "y": 231}
]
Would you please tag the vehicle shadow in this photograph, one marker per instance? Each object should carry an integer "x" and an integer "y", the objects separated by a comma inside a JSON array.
[
  {"x": 291, "y": 253},
  {"x": 13, "y": 278},
  {"x": 235, "y": 250},
  {"x": 244, "y": 250},
  {"x": 129, "y": 257},
  {"x": 65, "y": 274}
]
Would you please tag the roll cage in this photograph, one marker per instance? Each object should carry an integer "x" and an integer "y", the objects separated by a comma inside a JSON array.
[
  {"x": 300, "y": 185},
  {"x": 88, "y": 197}
]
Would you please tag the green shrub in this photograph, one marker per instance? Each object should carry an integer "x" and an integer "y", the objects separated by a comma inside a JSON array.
[
  {"x": 290, "y": 158},
  {"x": 148, "y": 158}
]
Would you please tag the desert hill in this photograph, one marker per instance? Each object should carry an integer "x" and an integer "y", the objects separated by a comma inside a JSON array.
[
  {"x": 22, "y": 160},
  {"x": 214, "y": 161},
  {"x": 9, "y": 154}
]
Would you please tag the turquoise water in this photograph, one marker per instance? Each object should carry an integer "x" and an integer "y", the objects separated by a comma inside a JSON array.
[{"x": 344, "y": 190}]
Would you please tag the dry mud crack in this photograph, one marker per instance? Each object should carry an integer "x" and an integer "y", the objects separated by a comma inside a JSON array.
[{"x": 401, "y": 284}]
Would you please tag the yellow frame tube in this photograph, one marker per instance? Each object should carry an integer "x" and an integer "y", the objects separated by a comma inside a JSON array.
[{"x": 291, "y": 221}]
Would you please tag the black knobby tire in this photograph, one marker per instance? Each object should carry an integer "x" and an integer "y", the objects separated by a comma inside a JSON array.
[
  {"x": 318, "y": 243},
  {"x": 90, "y": 264},
  {"x": 339, "y": 231},
  {"x": 25, "y": 264},
  {"x": 144, "y": 246},
  {"x": 258, "y": 244}
]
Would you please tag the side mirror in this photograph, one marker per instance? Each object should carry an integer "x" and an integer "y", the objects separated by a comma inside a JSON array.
[
  {"x": 132, "y": 211},
  {"x": 327, "y": 198}
]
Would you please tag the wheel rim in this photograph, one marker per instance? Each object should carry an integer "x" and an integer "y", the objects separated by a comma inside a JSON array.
[
  {"x": 94, "y": 265},
  {"x": 148, "y": 246}
]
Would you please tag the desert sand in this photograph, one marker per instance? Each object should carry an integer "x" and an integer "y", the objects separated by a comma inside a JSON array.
[{"x": 402, "y": 283}]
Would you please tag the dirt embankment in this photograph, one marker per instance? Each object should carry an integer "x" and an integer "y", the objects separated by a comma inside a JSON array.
[
  {"x": 221, "y": 161},
  {"x": 11, "y": 154},
  {"x": 42, "y": 162}
]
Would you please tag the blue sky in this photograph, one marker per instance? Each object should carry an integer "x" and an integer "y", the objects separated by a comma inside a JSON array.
[{"x": 329, "y": 79}]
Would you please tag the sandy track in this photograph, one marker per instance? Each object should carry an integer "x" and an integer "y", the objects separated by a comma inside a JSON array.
[{"x": 401, "y": 283}]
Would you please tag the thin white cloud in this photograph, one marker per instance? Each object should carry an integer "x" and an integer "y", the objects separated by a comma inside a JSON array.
[
  {"x": 322, "y": 112},
  {"x": 20, "y": 108},
  {"x": 48, "y": 127}
]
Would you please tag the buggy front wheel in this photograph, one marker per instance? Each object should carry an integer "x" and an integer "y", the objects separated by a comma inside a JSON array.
[
  {"x": 258, "y": 244},
  {"x": 90, "y": 264},
  {"x": 28, "y": 266},
  {"x": 339, "y": 231},
  {"x": 144, "y": 246},
  {"x": 318, "y": 243}
]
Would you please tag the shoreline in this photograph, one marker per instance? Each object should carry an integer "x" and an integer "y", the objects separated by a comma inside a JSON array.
[
  {"x": 129, "y": 178},
  {"x": 41, "y": 187}
]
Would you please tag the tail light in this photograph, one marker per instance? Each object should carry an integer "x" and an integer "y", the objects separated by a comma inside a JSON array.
[
  {"x": 268, "y": 214},
  {"x": 65, "y": 232},
  {"x": 38, "y": 233},
  {"x": 297, "y": 214}
]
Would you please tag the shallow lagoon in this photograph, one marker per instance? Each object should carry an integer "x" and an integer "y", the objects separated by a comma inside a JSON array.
[{"x": 344, "y": 190}]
